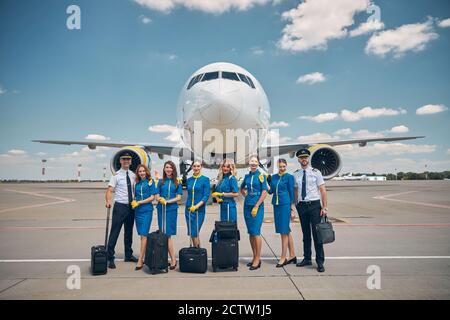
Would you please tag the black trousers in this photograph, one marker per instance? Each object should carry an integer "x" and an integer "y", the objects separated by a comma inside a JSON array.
[
  {"x": 309, "y": 214},
  {"x": 122, "y": 215}
]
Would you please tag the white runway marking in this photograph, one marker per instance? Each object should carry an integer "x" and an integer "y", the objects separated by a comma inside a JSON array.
[
  {"x": 60, "y": 200},
  {"x": 245, "y": 258},
  {"x": 389, "y": 198}
]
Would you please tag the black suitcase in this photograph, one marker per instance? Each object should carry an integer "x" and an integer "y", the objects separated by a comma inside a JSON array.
[
  {"x": 192, "y": 259},
  {"x": 225, "y": 245},
  {"x": 156, "y": 253},
  {"x": 99, "y": 255}
]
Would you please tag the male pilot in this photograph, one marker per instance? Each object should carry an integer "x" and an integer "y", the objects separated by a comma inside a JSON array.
[
  {"x": 122, "y": 183},
  {"x": 309, "y": 189}
]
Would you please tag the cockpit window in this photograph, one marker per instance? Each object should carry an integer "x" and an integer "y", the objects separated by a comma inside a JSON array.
[
  {"x": 230, "y": 75},
  {"x": 247, "y": 80},
  {"x": 194, "y": 80},
  {"x": 210, "y": 76}
]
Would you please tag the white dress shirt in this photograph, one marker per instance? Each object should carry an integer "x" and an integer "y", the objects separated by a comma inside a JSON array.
[{"x": 119, "y": 183}]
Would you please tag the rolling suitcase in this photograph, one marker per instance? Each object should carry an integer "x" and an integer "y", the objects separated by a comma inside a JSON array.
[
  {"x": 192, "y": 259},
  {"x": 156, "y": 253},
  {"x": 225, "y": 244},
  {"x": 99, "y": 255}
]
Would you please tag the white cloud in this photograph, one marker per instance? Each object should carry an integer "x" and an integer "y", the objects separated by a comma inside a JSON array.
[
  {"x": 399, "y": 129},
  {"x": 431, "y": 108},
  {"x": 323, "y": 117},
  {"x": 408, "y": 37},
  {"x": 444, "y": 23},
  {"x": 17, "y": 152},
  {"x": 215, "y": 7},
  {"x": 279, "y": 124},
  {"x": 314, "y": 22},
  {"x": 172, "y": 57},
  {"x": 367, "y": 27},
  {"x": 144, "y": 19},
  {"x": 448, "y": 151},
  {"x": 366, "y": 134},
  {"x": 41, "y": 154},
  {"x": 257, "y": 51},
  {"x": 351, "y": 116},
  {"x": 316, "y": 137},
  {"x": 94, "y": 136},
  {"x": 174, "y": 136},
  {"x": 343, "y": 132},
  {"x": 369, "y": 112},
  {"x": 2, "y": 90},
  {"x": 311, "y": 78}
]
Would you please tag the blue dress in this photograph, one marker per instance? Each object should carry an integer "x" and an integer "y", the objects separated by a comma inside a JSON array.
[
  {"x": 198, "y": 189},
  {"x": 282, "y": 188},
  {"x": 255, "y": 183},
  {"x": 168, "y": 190},
  {"x": 228, "y": 210},
  {"x": 143, "y": 213}
]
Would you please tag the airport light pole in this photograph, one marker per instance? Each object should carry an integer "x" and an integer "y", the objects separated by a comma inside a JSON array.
[
  {"x": 79, "y": 172},
  {"x": 43, "y": 168},
  {"x": 104, "y": 174}
]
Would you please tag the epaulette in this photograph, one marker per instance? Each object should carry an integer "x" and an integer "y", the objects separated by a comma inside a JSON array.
[
  {"x": 150, "y": 182},
  {"x": 180, "y": 180}
]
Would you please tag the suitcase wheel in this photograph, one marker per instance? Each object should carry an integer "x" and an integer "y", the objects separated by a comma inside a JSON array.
[{"x": 235, "y": 269}]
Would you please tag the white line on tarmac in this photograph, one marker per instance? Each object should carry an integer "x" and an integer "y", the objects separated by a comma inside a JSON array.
[
  {"x": 388, "y": 198},
  {"x": 248, "y": 258},
  {"x": 61, "y": 200}
]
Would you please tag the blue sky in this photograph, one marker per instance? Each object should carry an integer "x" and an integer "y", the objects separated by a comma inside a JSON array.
[{"x": 123, "y": 70}]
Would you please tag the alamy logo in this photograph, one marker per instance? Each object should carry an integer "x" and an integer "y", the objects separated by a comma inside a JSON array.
[{"x": 73, "y": 21}]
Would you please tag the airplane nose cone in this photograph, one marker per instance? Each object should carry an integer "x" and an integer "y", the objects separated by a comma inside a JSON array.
[{"x": 223, "y": 104}]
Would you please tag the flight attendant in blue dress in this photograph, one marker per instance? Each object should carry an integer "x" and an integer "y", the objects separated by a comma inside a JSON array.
[
  {"x": 226, "y": 190},
  {"x": 143, "y": 208},
  {"x": 198, "y": 190},
  {"x": 169, "y": 192},
  {"x": 254, "y": 189},
  {"x": 283, "y": 199}
]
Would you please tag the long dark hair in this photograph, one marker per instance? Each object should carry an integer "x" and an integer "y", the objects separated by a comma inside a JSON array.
[{"x": 174, "y": 173}]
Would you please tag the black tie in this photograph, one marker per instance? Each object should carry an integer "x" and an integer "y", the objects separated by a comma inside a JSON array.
[
  {"x": 304, "y": 185},
  {"x": 130, "y": 194}
]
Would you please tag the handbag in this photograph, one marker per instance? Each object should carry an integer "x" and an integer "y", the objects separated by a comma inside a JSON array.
[{"x": 325, "y": 232}]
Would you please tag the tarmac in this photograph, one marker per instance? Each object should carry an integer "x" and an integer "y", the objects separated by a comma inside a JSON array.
[{"x": 392, "y": 242}]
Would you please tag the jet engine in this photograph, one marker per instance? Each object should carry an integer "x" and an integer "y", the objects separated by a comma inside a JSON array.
[
  {"x": 325, "y": 159},
  {"x": 138, "y": 156}
]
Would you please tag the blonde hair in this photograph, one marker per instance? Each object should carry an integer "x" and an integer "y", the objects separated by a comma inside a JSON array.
[
  {"x": 232, "y": 168},
  {"x": 148, "y": 175}
]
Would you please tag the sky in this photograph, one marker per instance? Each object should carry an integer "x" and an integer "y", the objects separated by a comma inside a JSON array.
[{"x": 331, "y": 70}]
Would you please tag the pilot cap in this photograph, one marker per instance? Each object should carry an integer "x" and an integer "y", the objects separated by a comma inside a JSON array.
[
  {"x": 303, "y": 153},
  {"x": 125, "y": 155}
]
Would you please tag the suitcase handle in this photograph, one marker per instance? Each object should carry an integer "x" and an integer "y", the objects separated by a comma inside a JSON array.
[
  {"x": 191, "y": 244},
  {"x": 108, "y": 213}
]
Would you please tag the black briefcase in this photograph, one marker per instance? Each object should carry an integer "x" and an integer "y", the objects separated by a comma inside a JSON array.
[
  {"x": 99, "y": 256},
  {"x": 325, "y": 232}
]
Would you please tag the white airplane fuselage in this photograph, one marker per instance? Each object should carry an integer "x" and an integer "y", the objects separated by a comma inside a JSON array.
[{"x": 221, "y": 99}]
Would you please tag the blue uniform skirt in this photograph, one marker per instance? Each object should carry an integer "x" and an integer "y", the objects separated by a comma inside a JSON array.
[
  {"x": 143, "y": 218},
  {"x": 171, "y": 220},
  {"x": 191, "y": 221},
  {"x": 254, "y": 224},
  {"x": 224, "y": 208},
  {"x": 282, "y": 215}
]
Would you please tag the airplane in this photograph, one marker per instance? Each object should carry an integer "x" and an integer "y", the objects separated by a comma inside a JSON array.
[{"x": 217, "y": 98}]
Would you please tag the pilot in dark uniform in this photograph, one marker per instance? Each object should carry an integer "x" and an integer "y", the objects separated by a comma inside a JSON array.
[{"x": 310, "y": 189}]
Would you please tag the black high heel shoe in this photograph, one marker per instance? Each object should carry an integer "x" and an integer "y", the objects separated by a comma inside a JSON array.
[
  {"x": 138, "y": 268},
  {"x": 257, "y": 267},
  {"x": 249, "y": 264},
  {"x": 279, "y": 265},
  {"x": 293, "y": 260},
  {"x": 174, "y": 266}
]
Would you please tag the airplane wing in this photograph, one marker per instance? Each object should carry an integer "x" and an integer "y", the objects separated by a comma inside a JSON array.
[
  {"x": 92, "y": 144},
  {"x": 277, "y": 150}
]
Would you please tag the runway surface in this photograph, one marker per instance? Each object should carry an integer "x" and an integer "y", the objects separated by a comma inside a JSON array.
[{"x": 399, "y": 228}]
